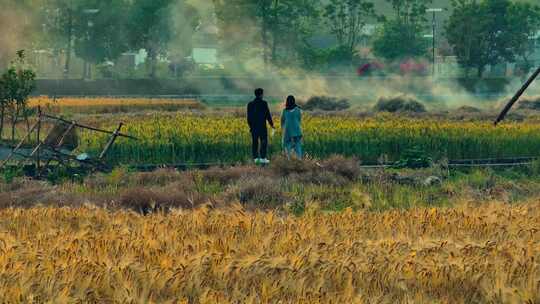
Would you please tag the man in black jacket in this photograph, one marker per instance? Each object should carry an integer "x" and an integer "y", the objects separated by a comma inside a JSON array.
[{"x": 258, "y": 114}]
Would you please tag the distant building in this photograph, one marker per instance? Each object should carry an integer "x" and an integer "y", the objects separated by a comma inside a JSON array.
[
  {"x": 205, "y": 55},
  {"x": 205, "y": 46}
]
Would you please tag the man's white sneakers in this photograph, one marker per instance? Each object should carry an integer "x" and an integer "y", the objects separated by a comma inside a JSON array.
[{"x": 263, "y": 161}]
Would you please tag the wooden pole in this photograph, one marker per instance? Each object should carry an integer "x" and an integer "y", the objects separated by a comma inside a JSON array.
[
  {"x": 516, "y": 97},
  {"x": 88, "y": 127},
  {"x": 63, "y": 137},
  {"x": 19, "y": 145},
  {"x": 38, "y": 156},
  {"x": 111, "y": 141}
]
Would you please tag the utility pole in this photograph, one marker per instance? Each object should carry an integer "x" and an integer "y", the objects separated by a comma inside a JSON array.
[
  {"x": 87, "y": 69},
  {"x": 434, "y": 25},
  {"x": 69, "y": 39}
]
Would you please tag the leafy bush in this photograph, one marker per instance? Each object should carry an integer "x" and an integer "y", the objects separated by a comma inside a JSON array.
[
  {"x": 414, "y": 158},
  {"x": 16, "y": 84},
  {"x": 399, "y": 103},
  {"x": 326, "y": 103},
  {"x": 481, "y": 179}
]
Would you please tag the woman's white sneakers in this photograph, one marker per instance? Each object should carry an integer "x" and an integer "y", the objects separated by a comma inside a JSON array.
[{"x": 263, "y": 161}]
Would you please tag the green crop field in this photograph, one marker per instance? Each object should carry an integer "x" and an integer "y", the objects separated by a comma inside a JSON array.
[{"x": 189, "y": 138}]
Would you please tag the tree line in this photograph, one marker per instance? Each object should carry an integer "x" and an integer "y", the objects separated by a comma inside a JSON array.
[{"x": 282, "y": 33}]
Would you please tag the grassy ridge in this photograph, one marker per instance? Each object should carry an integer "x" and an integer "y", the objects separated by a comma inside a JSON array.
[{"x": 225, "y": 138}]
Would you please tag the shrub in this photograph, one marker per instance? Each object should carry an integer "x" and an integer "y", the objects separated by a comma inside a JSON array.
[
  {"x": 468, "y": 109},
  {"x": 5, "y": 200},
  {"x": 530, "y": 103},
  {"x": 534, "y": 167},
  {"x": 282, "y": 166},
  {"x": 161, "y": 177},
  {"x": 145, "y": 201},
  {"x": 326, "y": 103},
  {"x": 230, "y": 175},
  {"x": 348, "y": 168},
  {"x": 262, "y": 192},
  {"x": 57, "y": 135},
  {"x": 320, "y": 177},
  {"x": 401, "y": 103},
  {"x": 482, "y": 179}
]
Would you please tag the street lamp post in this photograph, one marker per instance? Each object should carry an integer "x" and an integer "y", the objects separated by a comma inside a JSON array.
[{"x": 434, "y": 24}]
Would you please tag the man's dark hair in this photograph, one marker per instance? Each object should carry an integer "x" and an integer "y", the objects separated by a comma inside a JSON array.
[{"x": 259, "y": 92}]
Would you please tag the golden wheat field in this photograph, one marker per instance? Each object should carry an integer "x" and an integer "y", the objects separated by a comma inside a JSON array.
[
  {"x": 104, "y": 105},
  {"x": 103, "y": 101},
  {"x": 469, "y": 254}
]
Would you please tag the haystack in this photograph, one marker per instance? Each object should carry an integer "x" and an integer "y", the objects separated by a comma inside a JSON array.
[
  {"x": 71, "y": 139},
  {"x": 399, "y": 103}
]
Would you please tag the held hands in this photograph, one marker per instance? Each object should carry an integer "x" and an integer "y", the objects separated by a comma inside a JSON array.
[{"x": 272, "y": 132}]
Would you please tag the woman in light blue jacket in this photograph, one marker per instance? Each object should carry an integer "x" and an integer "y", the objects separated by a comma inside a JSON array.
[{"x": 291, "y": 125}]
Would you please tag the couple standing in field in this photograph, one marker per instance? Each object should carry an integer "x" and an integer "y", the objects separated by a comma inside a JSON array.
[{"x": 258, "y": 114}]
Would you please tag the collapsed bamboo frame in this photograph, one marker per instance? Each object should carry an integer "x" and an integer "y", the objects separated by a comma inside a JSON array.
[{"x": 57, "y": 154}]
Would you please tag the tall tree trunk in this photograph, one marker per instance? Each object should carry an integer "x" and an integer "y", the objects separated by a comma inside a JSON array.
[
  {"x": 2, "y": 113},
  {"x": 25, "y": 111},
  {"x": 14, "y": 117},
  {"x": 264, "y": 30},
  {"x": 275, "y": 31},
  {"x": 480, "y": 71},
  {"x": 153, "y": 64},
  {"x": 85, "y": 67},
  {"x": 68, "y": 47}
]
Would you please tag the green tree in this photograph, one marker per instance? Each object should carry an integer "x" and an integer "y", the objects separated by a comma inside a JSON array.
[
  {"x": 186, "y": 20},
  {"x": 151, "y": 28},
  {"x": 19, "y": 27},
  {"x": 401, "y": 36},
  {"x": 275, "y": 29},
  {"x": 410, "y": 11},
  {"x": 490, "y": 32},
  {"x": 398, "y": 40},
  {"x": 290, "y": 24},
  {"x": 346, "y": 20},
  {"x": 57, "y": 19},
  {"x": 524, "y": 23},
  {"x": 237, "y": 27},
  {"x": 465, "y": 32},
  {"x": 100, "y": 27},
  {"x": 16, "y": 84},
  {"x": 94, "y": 30}
]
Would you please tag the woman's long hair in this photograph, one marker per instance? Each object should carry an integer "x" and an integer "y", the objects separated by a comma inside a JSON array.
[{"x": 291, "y": 103}]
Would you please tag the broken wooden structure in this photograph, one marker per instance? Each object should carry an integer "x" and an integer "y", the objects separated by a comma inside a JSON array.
[{"x": 58, "y": 146}]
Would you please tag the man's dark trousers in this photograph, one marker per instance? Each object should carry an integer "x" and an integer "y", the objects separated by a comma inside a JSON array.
[{"x": 262, "y": 137}]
